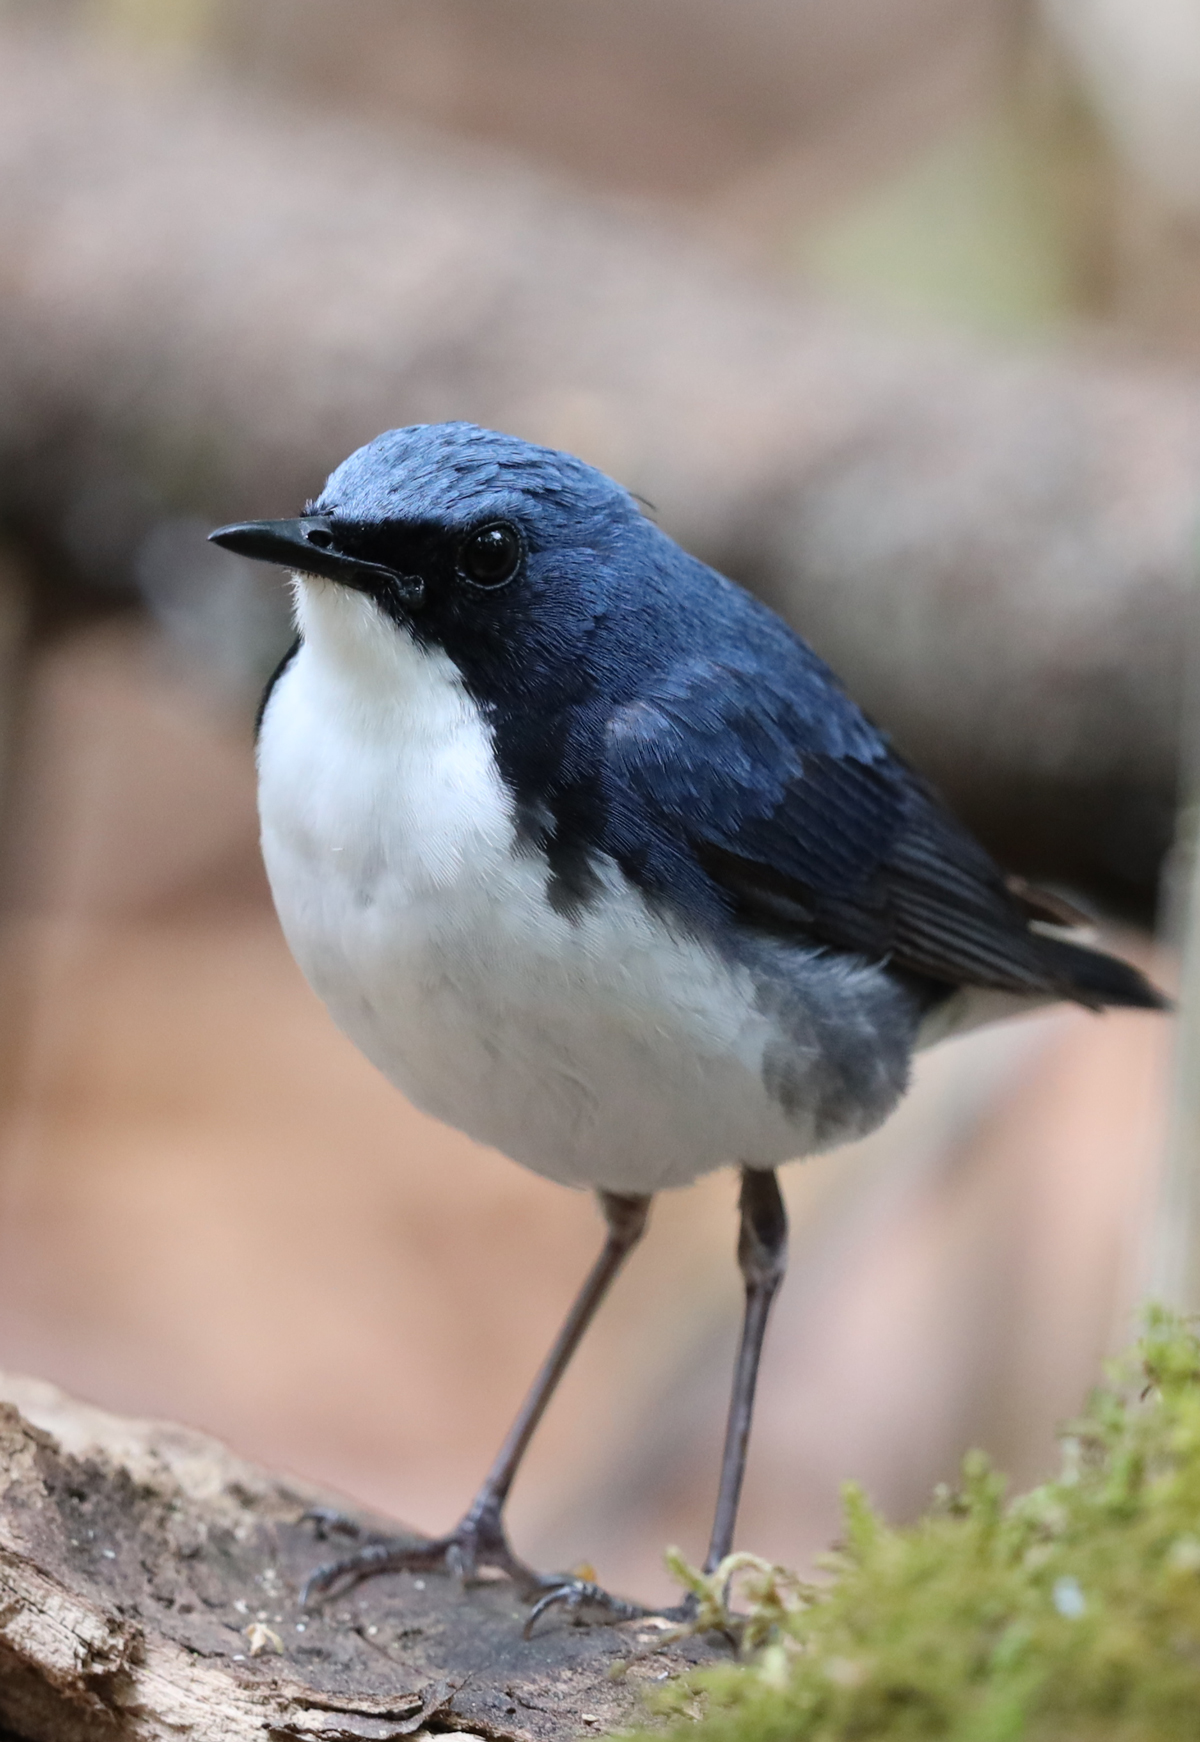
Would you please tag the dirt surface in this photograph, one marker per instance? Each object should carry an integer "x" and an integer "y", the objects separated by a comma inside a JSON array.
[{"x": 149, "y": 1587}]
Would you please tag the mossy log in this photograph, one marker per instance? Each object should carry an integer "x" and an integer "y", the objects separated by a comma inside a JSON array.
[{"x": 149, "y": 1588}]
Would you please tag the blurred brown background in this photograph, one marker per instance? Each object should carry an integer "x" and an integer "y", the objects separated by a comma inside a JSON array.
[{"x": 893, "y": 313}]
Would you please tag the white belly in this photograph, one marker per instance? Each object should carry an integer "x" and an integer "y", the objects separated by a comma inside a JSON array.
[{"x": 603, "y": 1050}]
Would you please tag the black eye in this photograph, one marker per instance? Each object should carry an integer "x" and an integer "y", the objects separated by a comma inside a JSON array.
[{"x": 490, "y": 556}]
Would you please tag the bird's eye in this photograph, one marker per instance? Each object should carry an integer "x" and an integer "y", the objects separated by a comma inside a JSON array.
[{"x": 490, "y": 556}]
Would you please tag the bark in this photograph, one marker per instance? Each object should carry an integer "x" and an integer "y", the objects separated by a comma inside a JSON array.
[
  {"x": 148, "y": 1589},
  {"x": 212, "y": 295}
]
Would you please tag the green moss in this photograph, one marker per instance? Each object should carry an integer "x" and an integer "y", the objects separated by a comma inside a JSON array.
[{"x": 1070, "y": 1614}]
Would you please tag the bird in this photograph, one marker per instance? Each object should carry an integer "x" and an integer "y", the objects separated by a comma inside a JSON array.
[{"x": 598, "y": 862}]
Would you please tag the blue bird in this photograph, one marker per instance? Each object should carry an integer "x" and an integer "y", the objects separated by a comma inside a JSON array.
[{"x": 596, "y": 860}]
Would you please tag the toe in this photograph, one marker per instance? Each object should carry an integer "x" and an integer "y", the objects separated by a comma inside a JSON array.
[
  {"x": 327, "y": 1522},
  {"x": 585, "y": 1603},
  {"x": 372, "y": 1558}
]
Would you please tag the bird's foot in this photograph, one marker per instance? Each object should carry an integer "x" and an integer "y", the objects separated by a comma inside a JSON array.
[{"x": 476, "y": 1546}]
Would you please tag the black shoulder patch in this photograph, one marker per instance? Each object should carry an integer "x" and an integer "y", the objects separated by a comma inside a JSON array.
[{"x": 274, "y": 678}]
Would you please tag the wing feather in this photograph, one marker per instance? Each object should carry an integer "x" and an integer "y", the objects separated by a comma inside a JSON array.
[{"x": 808, "y": 824}]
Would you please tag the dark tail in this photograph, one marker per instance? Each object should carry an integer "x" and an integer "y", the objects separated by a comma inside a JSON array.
[{"x": 1094, "y": 979}]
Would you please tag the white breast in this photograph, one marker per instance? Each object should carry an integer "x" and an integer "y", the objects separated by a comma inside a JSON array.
[{"x": 602, "y": 1050}]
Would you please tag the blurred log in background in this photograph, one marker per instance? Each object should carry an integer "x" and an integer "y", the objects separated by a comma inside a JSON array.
[{"x": 889, "y": 313}]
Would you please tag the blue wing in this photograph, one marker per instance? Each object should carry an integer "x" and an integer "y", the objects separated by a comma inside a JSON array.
[{"x": 765, "y": 780}]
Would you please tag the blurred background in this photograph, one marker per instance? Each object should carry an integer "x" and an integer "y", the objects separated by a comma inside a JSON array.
[{"x": 894, "y": 314}]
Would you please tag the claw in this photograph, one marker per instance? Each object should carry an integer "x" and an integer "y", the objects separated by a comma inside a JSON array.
[{"x": 578, "y": 1594}]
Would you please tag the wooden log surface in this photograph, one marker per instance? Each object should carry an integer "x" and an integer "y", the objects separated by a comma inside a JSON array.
[
  {"x": 149, "y": 1587},
  {"x": 212, "y": 294}
]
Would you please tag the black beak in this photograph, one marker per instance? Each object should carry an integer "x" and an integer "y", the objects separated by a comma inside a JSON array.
[{"x": 310, "y": 545}]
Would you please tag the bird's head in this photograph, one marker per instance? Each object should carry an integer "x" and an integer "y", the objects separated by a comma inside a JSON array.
[{"x": 504, "y": 555}]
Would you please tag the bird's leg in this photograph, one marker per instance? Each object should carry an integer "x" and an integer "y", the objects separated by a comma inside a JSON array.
[
  {"x": 626, "y": 1218},
  {"x": 479, "y": 1539},
  {"x": 762, "y": 1260}
]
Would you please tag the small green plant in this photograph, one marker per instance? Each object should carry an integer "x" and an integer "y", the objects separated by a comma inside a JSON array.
[{"x": 1071, "y": 1614}]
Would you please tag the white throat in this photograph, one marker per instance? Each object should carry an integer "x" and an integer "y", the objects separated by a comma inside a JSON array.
[{"x": 374, "y": 762}]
